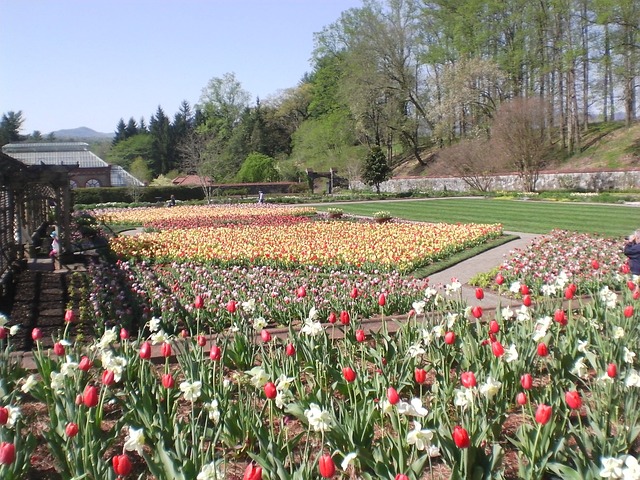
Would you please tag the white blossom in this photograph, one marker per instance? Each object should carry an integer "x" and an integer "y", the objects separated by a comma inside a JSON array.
[
  {"x": 213, "y": 411},
  {"x": 57, "y": 382},
  {"x": 319, "y": 420},
  {"x": 490, "y": 387},
  {"x": 154, "y": 324},
  {"x": 419, "y": 437},
  {"x": 109, "y": 337},
  {"x": 580, "y": 369},
  {"x": 191, "y": 390},
  {"x": 14, "y": 329},
  {"x": 611, "y": 467},
  {"x": 158, "y": 337},
  {"x": 259, "y": 323},
  {"x": 628, "y": 355},
  {"x": 618, "y": 333},
  {"x": 249, "y": 306},
  {"x": 259, "y": 377},
  {"x": 608, "y": 297},
  {"x": 511, "y": 354},
  {"x": 349, "y": 457},
  {"x": 463, "y": 397},
  {"x": 515, "y": 287},
  {"x": 418, "y": 307},
  {"x": 631, "y": 469},
  {"x": 311, "y": 328},
  {"x": 633, "y": 378},
  {"x": 415, "y": 350},
  {"x": 414, "y": 408},
  {"x": 210, "y": 471},
  {"x": 29, "y": 383},
  {"x": 134, "y": 441},
  {"x": 507, "y": 313}
]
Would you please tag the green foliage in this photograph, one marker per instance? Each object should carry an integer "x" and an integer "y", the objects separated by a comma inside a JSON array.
[
  {"x": 375, "y": 169},
  {"x": 258, "y": 168},
  {"x": 126, "y": 151},
  {"x": 10, "y": 126}
]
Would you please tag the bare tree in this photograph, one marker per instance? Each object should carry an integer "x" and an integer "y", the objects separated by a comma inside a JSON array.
[
  {"x": 199, "y": 158},
  {"x": 518, "y": 136},
  {"x": 473, "y": 161}
]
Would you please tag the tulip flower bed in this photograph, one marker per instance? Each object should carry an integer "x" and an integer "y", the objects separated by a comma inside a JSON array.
[
  {"x": 546, "y": 388},
  {"x": 555, "y": 260},
  {"x": 445, "y": 390},
  {"x": 294, "y": 240}
]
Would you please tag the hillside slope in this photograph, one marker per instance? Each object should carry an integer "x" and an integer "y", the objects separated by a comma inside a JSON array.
[{"x": 604, "y": 146}]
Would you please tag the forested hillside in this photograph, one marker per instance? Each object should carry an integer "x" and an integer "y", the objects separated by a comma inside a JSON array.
[{"x": 485, "y": 85}]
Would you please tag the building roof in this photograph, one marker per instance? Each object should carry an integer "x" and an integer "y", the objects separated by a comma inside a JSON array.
[{"x": 67, "y": 153}]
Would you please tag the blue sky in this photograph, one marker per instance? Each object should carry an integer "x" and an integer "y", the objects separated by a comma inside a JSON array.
[{"x": 73, "y": 63}]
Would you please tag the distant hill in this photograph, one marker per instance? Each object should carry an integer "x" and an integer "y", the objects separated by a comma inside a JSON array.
[{"x": 81, "y": 133}]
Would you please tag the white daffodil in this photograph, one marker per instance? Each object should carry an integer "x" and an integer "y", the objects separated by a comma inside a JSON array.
[
  {"x": 427, "y": 336},
  {"x": 283, "y": 398},
  {"x": 319, "y": 420},
  {"x": 14, "y": 414},
  {"x": 548, "y": 290},
  {"x": 134, "y": 441},
  {"x": 451, "y": 319},
  {"x": 628, "y": 355},
  {"x": 385, "y": 406},
  {"x": 349, "y": 457},
  {"x": 14, "y": 329},
  {"x": 430, "y": 292},
  {"x": 413, "y": 409},
  {"x": 523, "y": 314},
  {"x": 515, "y": 287},
  {"x": 108, "y": 338},
  {"x": 154, "y": 324},
  {"x": 419, "y": 437},
  {"x": 631, "y": 469},
  {"x": 415, "y": 350},
  {"x": 210, "y": 471},
  {"x": 29, "y": 383},
  {"x": 611, "y": 467},
  {"x": 259, "y": 323},
  {"x": 259, "y": 377},
  {"x": 418, "y": 307},
  {"x": 158, "y": 337},
  {"x": 608, "y": 297},
  {"x": 57, "y": 382},
  {"x": 507, "y": 313},
  {"x": 3, "y": 320},
  {"x": 511, "y": 354},
  {"x": 313, "y": 313},
  {"x": 618, "y": 333},
  {"x": 114, "y": 364},
  {"x": 68, "y": 368},
  {"x": 490, "y": 387},
  {"x": 191, "y": 390},
  {"x": 580, "y": 369},
  {"x": 311, "y": 328},
  {"x": 633, "y": 379},
  {"x": 212, "y": 410},
  {"x": 283, "y": 382},
  {"x": 463, "y": 397},
  {"x": 249, "y": 306}
]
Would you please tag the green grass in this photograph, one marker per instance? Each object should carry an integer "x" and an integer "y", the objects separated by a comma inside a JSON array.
[{"x": 514, "y": 215}]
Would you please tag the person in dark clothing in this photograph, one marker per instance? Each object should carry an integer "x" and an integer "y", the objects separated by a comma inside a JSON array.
[{"x": 632, "y": 250}]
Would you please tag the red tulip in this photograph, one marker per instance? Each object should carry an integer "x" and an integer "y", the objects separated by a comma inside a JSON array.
[
  {"x": 124, "y": 334},
  {"x": 332, "y": 318},
  {"x": 215, "y": 353},
  {"x": 636, "y": 294},
  {"x": 360, "y": 336},
  {"x": 168, "y": 381},
  {"x": 58, "y": 349},
  {"x": 631, "y": 285},
  {"x": 449, "y": 338},
  {"x": 461, "y": 437},
  {"x": 354, "y": 293},
  {"x": 349, "y": 374},
  {"x": 201, "y": 340},
  {"x": 301, "y": 292},
  {"x": 420, "y": 375},
  {"x": 624, "y": 269},
  {"x": 401, "y": 476},
  {"x": 231, "y": 306},
  {"x": 573, "y": 399},
  {"x": 628, "y": 311},
  {"x": 479, "y": 293},
  {"x": 494, "y": 327},
  {"x": 36, "y": 334},
  {"x": 543, "y": 414},
  {"x": 543, "y": 351},
  {"x": 270, "y": 390},
  {"x": 612, "y": 370},
  {"x": 145, "y": 351},
  {"x": 524, "y": 290},
  {"x": 265, "y": 335},
  {"x": 476, "y": 311},
  {"x": 326, "y": 466},
  {"x": 108, "y": 378},
  {"x": 521, "y": 398},
  {"x": 252, "y": 472},
  {"x": 165, "y": 349},
  {"x": 392, "y": 395},
  {"x": 595, "y": 265},
  {"x": 71, "y": 429},
  {"x": 344, "y": 317},
  {"x": 468, "y": 379},
  {"x": 560, "y": 316},
  {"x": 526, "y": 381},
  {"x": 499, "y": 279},
  {"x": 497, "y": 348},
  {"x": 4, "y": 415},
  {"x": 3, "y": 333},
  {"x": 90, "y": 396},
  {"x": 199, "y": 302},
  {"x": 121, "y": 465},
  {"x": 382, "y": 300},
  {"x": 7, "y": 453},
  {"x": 526, "y": 300},
  {"x": 290, "y": 350},
  {"x": 568, "y": 293},
  {"x": 85, "y": 364},
  {"x": 69, "y": 316}
]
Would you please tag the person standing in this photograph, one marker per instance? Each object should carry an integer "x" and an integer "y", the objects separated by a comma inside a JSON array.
[{"x": 632, "y": 251}]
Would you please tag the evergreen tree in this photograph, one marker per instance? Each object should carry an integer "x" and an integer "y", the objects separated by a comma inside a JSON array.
[
  {"x": 132, "y": 128},
  {"x": 121, "y": 133},
  {"x": 375, "y": 169},
  {"x": 10, "y": 126},
  {"x": 159, "y": 130}
]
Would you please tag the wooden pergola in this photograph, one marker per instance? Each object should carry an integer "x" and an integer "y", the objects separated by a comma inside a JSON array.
[{"x": 33, "y": 198}]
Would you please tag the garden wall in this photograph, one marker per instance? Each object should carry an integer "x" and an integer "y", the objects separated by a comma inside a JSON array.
[{"x": 589, "y": 181}]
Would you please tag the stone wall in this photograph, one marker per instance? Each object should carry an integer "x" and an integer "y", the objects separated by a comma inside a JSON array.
[{"x": 590, "y": 181}]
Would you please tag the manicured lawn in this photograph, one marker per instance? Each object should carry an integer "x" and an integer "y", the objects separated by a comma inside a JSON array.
[{"x": 515, "y": 215}]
